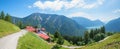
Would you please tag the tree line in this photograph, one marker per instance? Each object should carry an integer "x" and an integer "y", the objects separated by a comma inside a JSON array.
[
  {"x": 5, "y": 17},
  {"x": 90, "y": 36},
  {"x": 58, "y": 39}
]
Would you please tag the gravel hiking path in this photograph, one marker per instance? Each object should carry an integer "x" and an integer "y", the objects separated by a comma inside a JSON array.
[{"x": 10, "y": 41}]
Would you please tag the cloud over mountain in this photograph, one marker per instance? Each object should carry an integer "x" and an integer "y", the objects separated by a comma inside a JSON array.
[{"x": 64, "y": 4}]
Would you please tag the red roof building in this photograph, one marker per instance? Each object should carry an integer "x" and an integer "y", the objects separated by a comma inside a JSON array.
[
  {"x": 30, "y": 28},
  {"x": 44, "y": 36},
  {"x": 43, "y": 29},
  {"x": 40, "y": 33}
]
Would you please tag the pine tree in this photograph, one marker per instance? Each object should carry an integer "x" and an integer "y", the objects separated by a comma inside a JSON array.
[
  {"x": 103, "y": 29},
  {"x": 19, "y": 24},
  {"x": 2, "y": 15},
  {"x": 60, "y": 40},
  {"x": 8, "y": 18},
  {"x": 80, "y": 38},
  {"x": 86, "y": 37},
  {"x": 91, "y": 33},
  {"x": 57, "y": 34}
]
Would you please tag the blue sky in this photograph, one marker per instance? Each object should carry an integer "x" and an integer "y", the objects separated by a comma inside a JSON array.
[{"x": 104, "y": 10}]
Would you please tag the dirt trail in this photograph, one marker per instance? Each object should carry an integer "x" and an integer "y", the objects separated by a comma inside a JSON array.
[
  {"x": 104, "y": 39},
  {"x": 10, "y": 41},
  {"x": 72, "y": 47}
]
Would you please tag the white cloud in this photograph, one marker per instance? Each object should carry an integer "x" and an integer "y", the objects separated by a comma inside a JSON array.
[
  {"x": 59, "y": 4},
  {"x": 104, "y": 19},
  {"x": 74, "y": 3},
  {"x": 89, "y": 6},
  {"x": 116, "y": 11},
  {"x": 82, "y": 14},
  {"x": 95, "y": 4},
  {"x": 55, "y": 5}
]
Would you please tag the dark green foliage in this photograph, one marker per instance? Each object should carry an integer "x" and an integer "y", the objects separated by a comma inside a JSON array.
[
  {"x": 57, "y": 34},
  {"x": 57, "y": 46},
  {"x": 109, "y": 33},
  {"x": 60, "y": 41},
  {"x": 74, "y": 39},
  {"x": 8, "y": 18},
  {"x": 58, "y": 37},
  {"x": 99, "y": 37},
  {"x": 35, "y": 26},
  {"x": 86, "y": 37},
  {"x": 20, "y": 25},
  {"x": 92, "y": 33},
  {"x": 80, "y": 43},
  {"x": 91, "y": 41},
  {"x": 80, "y": 38},
  {"x": 103, "y": 29},
  {"x": 2, "y": 16}
]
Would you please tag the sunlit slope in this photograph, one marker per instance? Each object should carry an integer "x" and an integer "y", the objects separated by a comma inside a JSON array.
[
  {"x": 7, "y": 28},
  {"x": 113, "y": 42},
  {"x": 31, "y": 41}
]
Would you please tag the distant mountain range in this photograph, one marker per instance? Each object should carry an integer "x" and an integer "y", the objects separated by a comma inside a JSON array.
[
  {"x": 113, "y": 25},
  {"x": 66, "y": 26},
  {"x": 52, "y": 23},
  {"x": 87, "y": 23}
]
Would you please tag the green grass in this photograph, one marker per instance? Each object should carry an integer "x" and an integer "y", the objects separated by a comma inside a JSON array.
[
  {"x": 66, "y": 43},
  {"x": 7, "y": 28},
  {"x": 31, "y": 41},
  {"x": 113, "y": 42}
]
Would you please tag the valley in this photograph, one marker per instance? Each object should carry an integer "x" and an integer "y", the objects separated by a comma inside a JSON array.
[
  {"x": 60, "y": 35},
  {"x": 59, "y": 24}
]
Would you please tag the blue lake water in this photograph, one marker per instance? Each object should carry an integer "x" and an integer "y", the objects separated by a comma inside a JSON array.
[{"x": 94, "y": 27}]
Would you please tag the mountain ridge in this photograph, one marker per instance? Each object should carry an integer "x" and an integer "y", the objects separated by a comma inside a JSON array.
[
  {"x": 87, "y": 22},
  {"x": 113, "y": 25},
  {"x": 53, "y": 22}
]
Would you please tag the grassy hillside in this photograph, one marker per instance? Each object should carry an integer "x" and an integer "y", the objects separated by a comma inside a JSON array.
[
  {"x": 31, "y": 41},
  {"x": 66, "y": 43},
  {"x": 7, "y": 28},
  {"x": 113, "y": 42}
]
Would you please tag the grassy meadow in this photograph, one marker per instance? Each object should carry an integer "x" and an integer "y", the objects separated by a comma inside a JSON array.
[
  {"x": 7, "y": 28},
  {"x": 32, "y": 41},
  {"x": 113, "y": 42}
]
